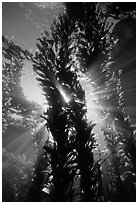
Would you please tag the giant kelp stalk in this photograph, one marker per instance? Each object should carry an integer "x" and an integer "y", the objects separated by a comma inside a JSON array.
[
  {"x": 71, "y": 173},
  {"x": 17, "y": 111},
  {"x": 47, "y": 64},
  {"x": 11, "y": 72},
  {"x": 120, "y": 141},
  {"x": 119, "y": 135}
]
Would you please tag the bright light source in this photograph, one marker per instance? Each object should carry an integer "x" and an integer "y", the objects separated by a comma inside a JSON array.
[{"x": 66, "y": 98}]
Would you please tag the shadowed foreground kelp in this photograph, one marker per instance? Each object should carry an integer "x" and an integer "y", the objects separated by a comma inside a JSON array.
[{"x": 73, "y": 139}]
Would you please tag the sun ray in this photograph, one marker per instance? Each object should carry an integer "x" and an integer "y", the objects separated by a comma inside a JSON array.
[{"x": 24, "y": 145}]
